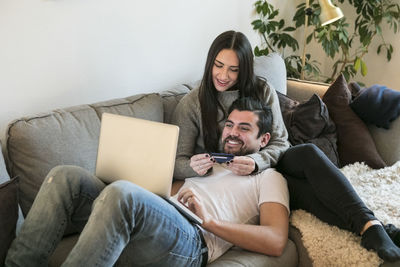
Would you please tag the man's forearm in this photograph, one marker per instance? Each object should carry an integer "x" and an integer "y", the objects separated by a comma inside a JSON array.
[{"x": 269, "y": 240}]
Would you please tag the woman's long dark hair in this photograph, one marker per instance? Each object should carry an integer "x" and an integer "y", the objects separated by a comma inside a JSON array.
[{"x": 247, "y": 83}]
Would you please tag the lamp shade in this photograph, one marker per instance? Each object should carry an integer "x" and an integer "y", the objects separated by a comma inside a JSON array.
[{"x": 329, "y": 12}]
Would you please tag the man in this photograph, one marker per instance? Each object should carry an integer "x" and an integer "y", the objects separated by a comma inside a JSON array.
[{"x": 126, "y": 219}]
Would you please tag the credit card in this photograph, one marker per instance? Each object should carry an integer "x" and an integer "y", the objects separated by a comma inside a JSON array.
[{"x": 222, "y": 157}]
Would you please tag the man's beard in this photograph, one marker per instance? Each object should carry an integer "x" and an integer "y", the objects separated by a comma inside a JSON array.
[{"x": 241, "y": 152}]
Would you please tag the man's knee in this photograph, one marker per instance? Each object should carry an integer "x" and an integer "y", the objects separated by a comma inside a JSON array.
[
  {"x": 122, "y": 191},
  {"x": 67, "y": 170},
  {"x": 68, "y": 176}
]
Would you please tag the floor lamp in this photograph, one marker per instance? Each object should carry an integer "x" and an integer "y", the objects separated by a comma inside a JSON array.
[{"x": 329, "y": 14}]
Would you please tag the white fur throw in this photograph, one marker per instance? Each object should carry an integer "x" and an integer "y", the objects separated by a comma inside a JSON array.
[{"x": 330, "y": 246}]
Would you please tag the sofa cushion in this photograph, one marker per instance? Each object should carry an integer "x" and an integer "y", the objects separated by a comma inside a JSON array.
[
  {"x": 233, "y": 257},
  {"x": 8, "y": 215},
  {"x": 239, "y": 257},
  {"x": 272, "y": 68},
  {"x": 387, "y": 141},
  {"x": 309, "y": 122},
  {"x": 355, "y": 143},
  {"x": 65, "y": 137}
]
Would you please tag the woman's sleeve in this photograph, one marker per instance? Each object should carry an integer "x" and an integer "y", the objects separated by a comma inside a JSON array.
[
  {"x": 269, "y": 156},
  {"x": 187, "y": 117}
]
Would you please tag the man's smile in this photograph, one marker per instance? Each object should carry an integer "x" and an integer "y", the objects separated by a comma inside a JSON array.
[{"x": 233, "y": 141}]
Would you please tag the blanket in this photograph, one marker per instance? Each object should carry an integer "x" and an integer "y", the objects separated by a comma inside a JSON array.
[{"x": 330, "y": 246}]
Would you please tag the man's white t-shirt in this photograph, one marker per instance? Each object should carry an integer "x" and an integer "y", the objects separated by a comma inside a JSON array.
[{"x": 236, "y": 199}]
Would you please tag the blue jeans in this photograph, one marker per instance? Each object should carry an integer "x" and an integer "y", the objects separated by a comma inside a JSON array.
[
  {"x": 319, "y": 187},
  {"x": 120, "y": 218}
]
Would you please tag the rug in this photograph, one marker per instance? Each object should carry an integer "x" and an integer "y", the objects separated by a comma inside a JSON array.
[{"x": 330, "y": 246}]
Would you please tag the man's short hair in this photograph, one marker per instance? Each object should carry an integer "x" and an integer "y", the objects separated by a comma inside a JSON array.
[{"x": 263, "y": 112}]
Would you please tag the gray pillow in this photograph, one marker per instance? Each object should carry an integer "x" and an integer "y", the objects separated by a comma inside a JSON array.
[
  {"x": 8, "y": 215},
  {"x": 37, "y": 144},
  {"x": 273, "y": 69}
]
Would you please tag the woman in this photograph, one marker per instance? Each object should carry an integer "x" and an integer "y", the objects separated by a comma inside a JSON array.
[
  {"x": 315, "y": 184},
  {"x": 202, "y": 113}
]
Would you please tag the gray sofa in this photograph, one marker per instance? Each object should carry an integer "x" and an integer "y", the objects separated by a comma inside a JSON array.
[
  {"x": 35, "y": 144},
  {"x": 69, "y": 136}
]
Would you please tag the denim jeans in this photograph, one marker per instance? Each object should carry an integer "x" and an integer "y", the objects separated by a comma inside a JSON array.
[
  {"x": 120, "y": 218},
  {"x": 319, "y": 187}
]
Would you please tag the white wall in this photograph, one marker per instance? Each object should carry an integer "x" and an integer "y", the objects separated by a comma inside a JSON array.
[
  {"x": 380, "y": 71},
  {"x": 58, "y": 53}
]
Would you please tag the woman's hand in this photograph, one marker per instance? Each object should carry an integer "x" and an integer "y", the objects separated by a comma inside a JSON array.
[
  {"x": 201, "y": 163},
  {"x": 190, "y": 198},
  {"x": 242, "y": 165}
]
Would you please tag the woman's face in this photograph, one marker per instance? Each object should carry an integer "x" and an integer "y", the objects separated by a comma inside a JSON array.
[{"x": 225, "y": 70}]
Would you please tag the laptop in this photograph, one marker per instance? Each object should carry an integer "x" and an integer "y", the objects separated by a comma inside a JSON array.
[{"x": 142, "y": 152}]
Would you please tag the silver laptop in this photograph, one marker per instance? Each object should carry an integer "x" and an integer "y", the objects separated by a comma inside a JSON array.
[{"x": 142, "y": 152}]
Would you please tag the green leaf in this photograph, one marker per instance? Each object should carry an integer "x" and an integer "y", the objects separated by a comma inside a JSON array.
[
  {"x": 346, "y": 75},
  {"x": 357, "y": 64},
  {"x": 388, "y": 55},
  {"x": 378, "y": 51},
  {"x": 309, "y": 38},
  {"x": 274, "y": 14},
  {"x": 257, "y": 24},
  {"x": 281, "y": 23},
  {"x": 364, "y": 68},
  {"x": 321, "y": 34},
  {"x": 265, "y": 9},
  {"x": 378, "y": 29},
  {"x": 289, "y": 29}
]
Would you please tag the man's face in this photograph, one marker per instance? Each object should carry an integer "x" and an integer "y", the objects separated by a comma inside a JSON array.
[{"x": 239, "y": 136}]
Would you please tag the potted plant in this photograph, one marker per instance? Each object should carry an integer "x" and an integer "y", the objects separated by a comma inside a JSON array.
[{"x": 345, "y": 46}]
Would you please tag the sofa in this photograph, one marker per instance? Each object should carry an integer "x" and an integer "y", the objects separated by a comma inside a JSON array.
[{"x": 35, "y": 144}]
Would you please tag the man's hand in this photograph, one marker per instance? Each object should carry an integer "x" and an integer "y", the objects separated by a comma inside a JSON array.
[
  {"x": 242, "y": 165},
  {"x": 189, "y": 197},
  {"x": 201, "y": 163}
]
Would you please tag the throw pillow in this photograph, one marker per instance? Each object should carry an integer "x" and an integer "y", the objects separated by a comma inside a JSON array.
[
  {"x": 377, "y": 105},
  {"x": 272, "y": 68},
  {"x": 355, "y": 143},
  {"x": 8, "y": 215},
  {"x": 309, "y": 122}
]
